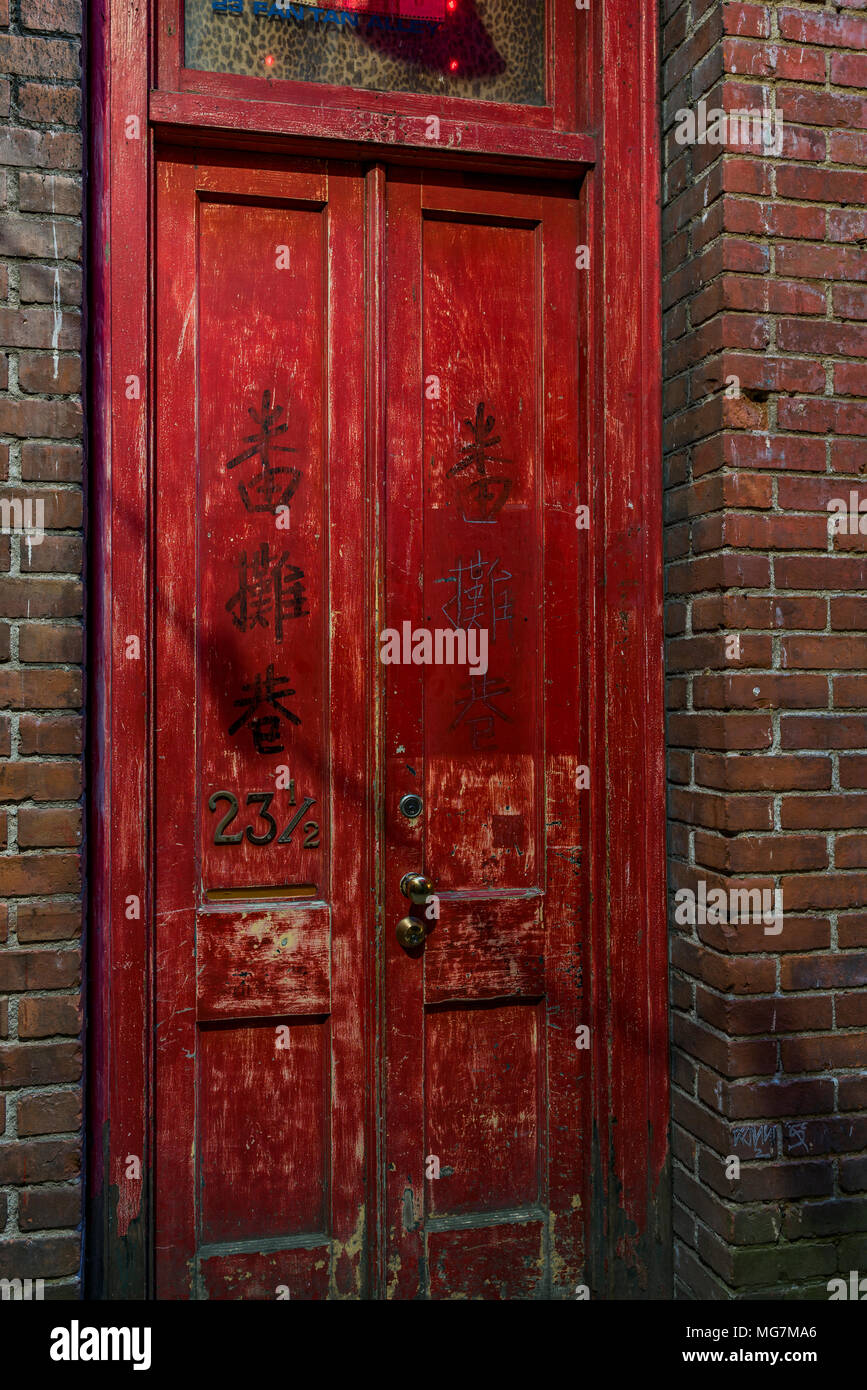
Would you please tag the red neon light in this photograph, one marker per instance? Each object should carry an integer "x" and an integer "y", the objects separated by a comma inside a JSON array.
[{"x": 400, "y": 9}]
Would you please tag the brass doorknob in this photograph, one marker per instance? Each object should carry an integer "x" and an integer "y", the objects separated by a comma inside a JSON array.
[
  {"x": 416, "y": 887},
  {"x": 410, "y": 932}
]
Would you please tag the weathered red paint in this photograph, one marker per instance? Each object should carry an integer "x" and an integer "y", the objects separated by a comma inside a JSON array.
[
  {"x": 118, "y": 952},
  {"x": 305, "y": 1167},
  {"x": 482, "y": 1069},
  {"x": 259, "y": 1017}
]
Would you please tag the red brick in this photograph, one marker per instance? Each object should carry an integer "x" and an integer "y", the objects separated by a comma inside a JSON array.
[
  {"x": 48, "y": 828},
  {"x": 849, "y": 70},
  {"x": 48, "y": 922},
  {"x": 853, "y": 772},
  {"x": 37, "y": 1064},
  {"x": 39, "y": 970},
  {"x": 823, "y": 731},
  {"x": 764, "y": 772},
  {"x": 851, "y": 1010},
  {"x": 814, "y": 812},
  {"x": 825, "y": 892},
  {"x": 47, "y": 1257},
  {"x": 56, "y": 105},
  {"x": 823, "y": 1053},
  {"x": 49, "y": 1112},
  {"x": 39, "y": 1160},
  {"x": 51, "y": 463},
  {"x": 24, "y": 875},
  {"x": 43, "y": 689},
  {"x": 49, "y": 735},
  {"x": 42, "y": 373},
  {"x": 30, "y": 57},
  {"x": 51, "y": 419},
  {"x": 40, "y": 781},
  {"x": 761, "y": 853},
  {"x": 725, "y": 1055},
  {"x": 852, "y": 930},
  {"x": 48, "y": 1018},
  {"x": 50, "y": 642},
  {"x": 51, "y": 16},
  {"x": 56, "y": 554},
  {"x": 807, "y": 26},
  {"x": 746, "y": 20},
  {"x": 33, "y": 327},
  {"x": 745, "y": 731},
  {"x": 722, "y": 972},
  {"x": 750, "y": 691},
  {"x": 822, "y": 108},
  {"x": 850, "y": 852},
  {"x": 46, "y": 598},
  {"x": 853, "y": 1092},
  {"x": 42, "y": 1209}
]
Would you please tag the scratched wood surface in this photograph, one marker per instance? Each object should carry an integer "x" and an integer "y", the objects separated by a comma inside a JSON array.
[
  {"x": 481, "y": 1062},
  {"x": 260, "y": 1069},
  {"x": 634, "y": 1076},
  {"x": 119, "y": 949},
  {"x": 263, "y": 964}
]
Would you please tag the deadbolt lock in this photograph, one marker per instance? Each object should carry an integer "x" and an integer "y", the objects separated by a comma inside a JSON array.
[
  {"x": 410, "y": 932},
  {"x": 417, "y": 887}
]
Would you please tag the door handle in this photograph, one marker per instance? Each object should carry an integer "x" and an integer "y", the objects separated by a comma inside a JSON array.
[
  {"x": 411, "y": 930},
  {"x": 417, "y": 887}
]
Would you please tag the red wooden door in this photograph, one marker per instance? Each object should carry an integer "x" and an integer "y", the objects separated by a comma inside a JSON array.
[
  {"x": 261, "y": 879},
  {"x": 363, "y": 432},
  {"x": 486, "y": 1085}
]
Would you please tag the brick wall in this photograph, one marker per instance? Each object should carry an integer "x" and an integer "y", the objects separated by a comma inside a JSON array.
[
  {"x": 764, "y": 281},
  {"x": 40, "y": 643}
]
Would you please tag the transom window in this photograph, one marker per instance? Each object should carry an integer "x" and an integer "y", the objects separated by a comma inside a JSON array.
[{"x": 488, "y": 50}]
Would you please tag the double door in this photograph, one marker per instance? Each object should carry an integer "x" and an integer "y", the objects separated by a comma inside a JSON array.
[{"x": 371, "y": 965}]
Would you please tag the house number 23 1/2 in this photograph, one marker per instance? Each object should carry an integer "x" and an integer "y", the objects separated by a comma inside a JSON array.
[{"x": 267, "y": 825}]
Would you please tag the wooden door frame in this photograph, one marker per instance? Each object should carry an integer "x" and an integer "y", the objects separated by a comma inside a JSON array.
[{"x": 616, "y": 148}]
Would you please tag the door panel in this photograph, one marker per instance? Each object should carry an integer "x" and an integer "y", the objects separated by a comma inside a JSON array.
[
  {"x": 261, "y": 747},
  {"x": 486, "y": 1160},
  {"x": 284, "y": 746}
]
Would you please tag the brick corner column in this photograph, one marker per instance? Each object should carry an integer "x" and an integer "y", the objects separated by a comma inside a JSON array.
[{"x": 765, "y": 430}]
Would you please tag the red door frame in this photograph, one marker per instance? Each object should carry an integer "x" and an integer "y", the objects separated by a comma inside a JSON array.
[{"x": 603, "y": 125}]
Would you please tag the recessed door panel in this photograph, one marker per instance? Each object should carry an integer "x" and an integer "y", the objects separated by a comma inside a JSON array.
[
  {"x": 488, "y": 1055},
  {"x": 262, "y": 629},
  {"x": 480, "y": 289}
]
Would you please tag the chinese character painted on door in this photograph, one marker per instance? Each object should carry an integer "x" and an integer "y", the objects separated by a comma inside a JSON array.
[
  {"x": 486, "y": 494},
  {"x": 482, "y": 596},
  {"x": 266, "y": 493},
  {"x": 268, "y": 587},
  {"x": 479, "y": 711},
  {"x": 267, "y": 691}
]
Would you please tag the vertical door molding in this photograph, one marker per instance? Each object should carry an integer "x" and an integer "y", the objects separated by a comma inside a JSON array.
[
  {"x": 117, "y": 956},
  {"x": 631, "y": 1205}
]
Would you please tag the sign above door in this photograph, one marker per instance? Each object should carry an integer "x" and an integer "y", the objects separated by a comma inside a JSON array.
[{"x": 484, "y": 50}]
